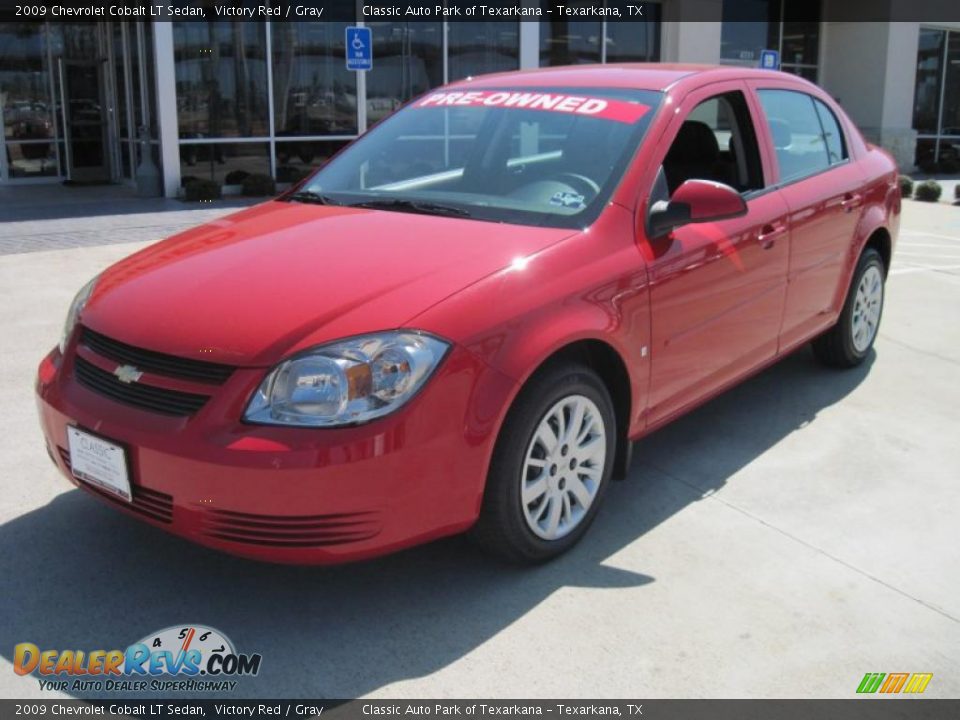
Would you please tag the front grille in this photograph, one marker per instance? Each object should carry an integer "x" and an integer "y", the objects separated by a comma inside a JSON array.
[
  {"x": 155, "y": 362},
  {"x": 290, "y": 530},
  {"x": 146, "y": 397},
  {"x": 149, "y": 503}
]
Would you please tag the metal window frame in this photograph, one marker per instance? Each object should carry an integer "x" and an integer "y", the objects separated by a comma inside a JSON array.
[{"x": 939, "y": 135}]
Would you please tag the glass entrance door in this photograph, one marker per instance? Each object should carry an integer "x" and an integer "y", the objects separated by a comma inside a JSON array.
[{"x": 85, "y": 120}]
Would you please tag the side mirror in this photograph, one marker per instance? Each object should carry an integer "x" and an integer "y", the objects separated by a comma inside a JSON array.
[{"x": 693, "y": 202}]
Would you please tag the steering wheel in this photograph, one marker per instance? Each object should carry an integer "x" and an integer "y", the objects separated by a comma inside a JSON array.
[{"x": 582, "y": 181}]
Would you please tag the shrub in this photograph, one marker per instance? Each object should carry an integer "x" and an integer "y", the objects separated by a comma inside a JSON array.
[
  {"x": 906, "y": 186},
  {"x": 236, "y": 177},
  {"x": 257, "y": 185},
  {"x": 956, "y": 192},
  {"x": 928, "y": 191},
  {"x": 198, "y": 190}
]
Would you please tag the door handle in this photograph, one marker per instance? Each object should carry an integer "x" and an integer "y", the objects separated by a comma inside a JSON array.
[
  {"x": 850, "y": 201},
  {"x": 769, "y": 233}
]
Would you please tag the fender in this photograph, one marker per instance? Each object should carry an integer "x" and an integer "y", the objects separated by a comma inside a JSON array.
[{"x": 590, "y": 286}]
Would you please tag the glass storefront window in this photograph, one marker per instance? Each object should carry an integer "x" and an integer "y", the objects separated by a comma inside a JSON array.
[
  {"x": 936, "y": 105},
  {"x": 800, "y": 43},
  {"x": 807, "y": 73},
  {"x": 742, "y": 39},
  {"x": 314, "y": 93},
  {"x": 226, "y": 163},
  {"x": 950, "y": 120},
  {"x": 31, "y": 159},
  {"x": 743, "y": 35},
  {"x": 25, "y": 83},
  {"x": 476, "y": 48},
  {"x": 221, "y": 76},
  {"x": 569, "y": 43},
  {"x": 926, "y": 104},
  {"x": 635, "y": 42},
  {"x": 408, "y": 61},
  {"x": 298, "y": 158}
]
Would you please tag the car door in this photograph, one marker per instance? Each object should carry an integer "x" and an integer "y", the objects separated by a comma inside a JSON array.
[
  {"x": 823, "y": 191},
  {"x": 716, "y": 288}
]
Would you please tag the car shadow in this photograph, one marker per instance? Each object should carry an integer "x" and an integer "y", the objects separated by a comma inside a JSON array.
[{"x": 78, "y": 575}]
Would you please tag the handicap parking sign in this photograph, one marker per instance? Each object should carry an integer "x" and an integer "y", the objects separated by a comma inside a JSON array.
[
  {"x": 359, "y": 48},
  {"x": 769, "y": 60}
]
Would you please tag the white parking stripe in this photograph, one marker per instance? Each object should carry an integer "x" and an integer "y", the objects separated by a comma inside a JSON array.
[
  {"x": 922, "y": 268},
  {"x": 926, "y": 255},
  {"x": 908, "y": 244},
  {"x": 952, "y": 238}
]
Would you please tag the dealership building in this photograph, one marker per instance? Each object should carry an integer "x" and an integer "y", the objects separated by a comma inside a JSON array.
[{"x": 108, "y": 101}]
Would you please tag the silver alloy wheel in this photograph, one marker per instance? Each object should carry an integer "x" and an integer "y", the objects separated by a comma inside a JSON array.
[
  {"x": 563, "y": 467},
  {"x": 866, "y": 308}
]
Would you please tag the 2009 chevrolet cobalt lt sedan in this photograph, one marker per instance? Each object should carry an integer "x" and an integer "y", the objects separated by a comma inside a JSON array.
[{"x": 463, "y": 320}]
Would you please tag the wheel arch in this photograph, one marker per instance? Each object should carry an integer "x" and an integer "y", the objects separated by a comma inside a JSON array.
[
  {"x": 604, "y": 359},
  {"x": 881, "y": 241}
]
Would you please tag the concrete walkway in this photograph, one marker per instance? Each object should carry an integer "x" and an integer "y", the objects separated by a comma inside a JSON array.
[{"x": 34, "y": 218}]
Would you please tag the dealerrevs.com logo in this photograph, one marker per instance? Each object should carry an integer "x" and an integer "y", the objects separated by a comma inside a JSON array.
[{"x": 181, "y": 657}]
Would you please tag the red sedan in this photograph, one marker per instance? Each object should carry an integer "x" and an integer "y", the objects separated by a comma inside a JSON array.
[{"x": 464, "y": 319}]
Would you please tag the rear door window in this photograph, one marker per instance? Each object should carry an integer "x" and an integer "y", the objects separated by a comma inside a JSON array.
[{"x": 797, "y": 132}]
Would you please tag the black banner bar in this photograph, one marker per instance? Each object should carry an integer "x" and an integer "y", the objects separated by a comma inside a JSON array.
[
  {"x": 872, "y": 708},
  {"x": 466, "y": 10}
]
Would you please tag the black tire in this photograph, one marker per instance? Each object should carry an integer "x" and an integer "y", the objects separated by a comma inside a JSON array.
[
  {"x": 835, "y": 348},
  {"x": 502, "y": 528}
]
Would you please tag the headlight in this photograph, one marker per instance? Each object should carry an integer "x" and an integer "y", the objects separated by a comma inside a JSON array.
[
  {"x": 73, "y": 314},
  {"x": 347, "y": 382}
]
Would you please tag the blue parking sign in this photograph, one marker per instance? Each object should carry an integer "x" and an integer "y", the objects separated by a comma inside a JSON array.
[
  {"x": 359, "y": 48},
  {"x": 769, "y": 60}
]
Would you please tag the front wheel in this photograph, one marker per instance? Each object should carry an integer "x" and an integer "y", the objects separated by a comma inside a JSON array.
[
  {"x": 551, "y": 466},
  {"x": 848, "y": 343}
]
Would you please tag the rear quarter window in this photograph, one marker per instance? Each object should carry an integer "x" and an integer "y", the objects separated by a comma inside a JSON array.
[{"x": 832, "y": 134}]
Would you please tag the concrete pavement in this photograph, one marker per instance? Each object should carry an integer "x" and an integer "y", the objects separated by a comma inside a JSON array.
[
  {"x": 51, "y": 217},
  {"x": 781, "y": 541}
]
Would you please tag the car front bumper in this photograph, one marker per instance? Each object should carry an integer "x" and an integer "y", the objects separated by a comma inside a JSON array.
[{"x": 294, "y": 495}]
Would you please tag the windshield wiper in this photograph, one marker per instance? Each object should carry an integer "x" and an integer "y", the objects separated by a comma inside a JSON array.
[
  {"x": 309, "y": 196},
  {"x": 412, "y": 206}
]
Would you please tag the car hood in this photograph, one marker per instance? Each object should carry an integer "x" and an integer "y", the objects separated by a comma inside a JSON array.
[{"x": 250, "y": 288}]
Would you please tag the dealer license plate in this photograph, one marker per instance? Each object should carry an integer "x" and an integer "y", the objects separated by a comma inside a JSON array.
[{"x": 99, "y": 463}]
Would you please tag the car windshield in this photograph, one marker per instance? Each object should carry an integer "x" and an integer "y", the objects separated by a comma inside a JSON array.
[{"x": 547, "y": 157}]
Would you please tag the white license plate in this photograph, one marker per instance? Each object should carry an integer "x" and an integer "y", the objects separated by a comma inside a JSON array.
[{"x": 100, "y": 463}]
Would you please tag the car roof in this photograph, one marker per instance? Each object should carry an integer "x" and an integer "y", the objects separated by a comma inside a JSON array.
[{"x": 644, "y": 76}]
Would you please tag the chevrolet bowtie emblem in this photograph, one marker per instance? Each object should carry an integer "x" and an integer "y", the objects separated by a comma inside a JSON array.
[{"x": 127, "y": 374}]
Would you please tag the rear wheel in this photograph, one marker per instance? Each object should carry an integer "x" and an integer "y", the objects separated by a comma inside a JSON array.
[
  {"x": 551, "y": 466},
  {"x": 848, "y": 342}
]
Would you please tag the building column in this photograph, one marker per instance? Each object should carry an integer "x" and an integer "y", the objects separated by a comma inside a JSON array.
[
  {"x": 167, "y": 131},
  {"x": 529, "y": 45},
  {"x": 691, "y": 41},
  {"x": 870, "y": 69}
]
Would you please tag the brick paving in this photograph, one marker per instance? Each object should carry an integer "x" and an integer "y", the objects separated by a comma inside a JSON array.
[{"x": 52, "y": 217}]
